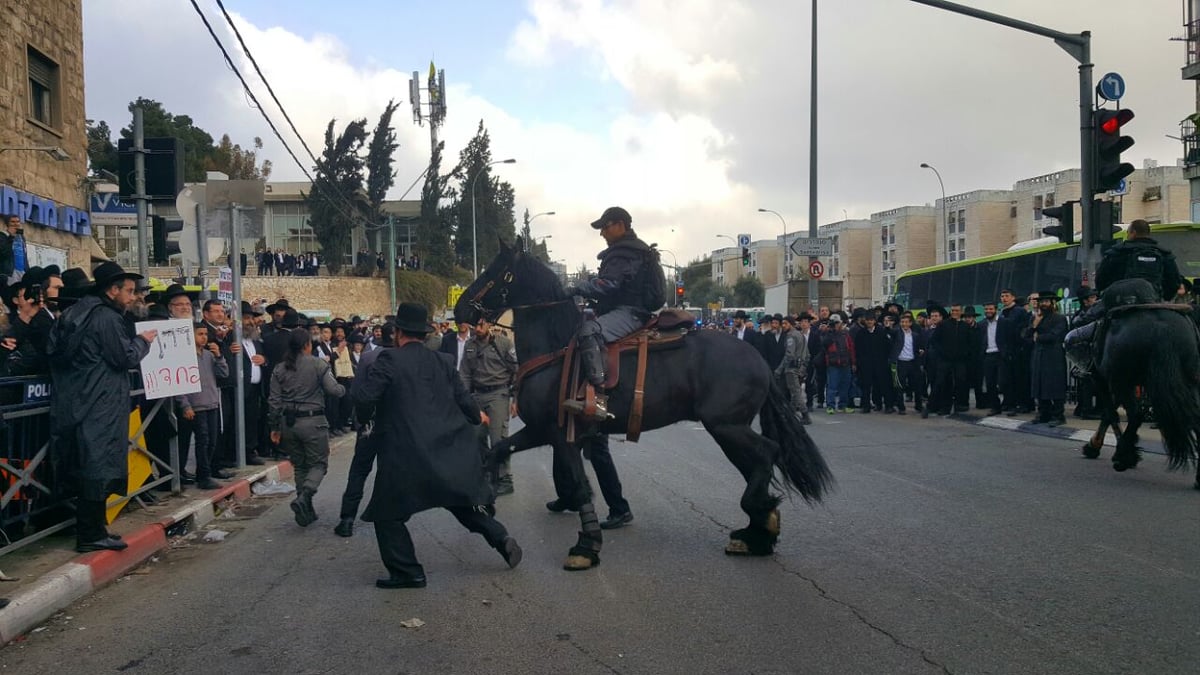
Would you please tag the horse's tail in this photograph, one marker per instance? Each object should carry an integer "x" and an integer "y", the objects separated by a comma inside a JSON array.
[
  {"x": 804, "y": 469},
  {"x": 1176, "y": 406}
]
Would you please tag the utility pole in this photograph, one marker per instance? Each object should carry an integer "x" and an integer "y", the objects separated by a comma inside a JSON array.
[
  {"x": 392, "y": 259},
  {"x": 139, "y": 186},
  {"x": 1079, "y": 46},
  {"x": 814, "y": 285},
  {"x": 235, "y": 267},
  {"x": 201, "y": 254}
]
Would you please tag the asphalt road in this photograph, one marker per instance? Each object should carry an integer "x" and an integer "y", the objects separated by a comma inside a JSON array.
[{"x": 946, "y": 548}]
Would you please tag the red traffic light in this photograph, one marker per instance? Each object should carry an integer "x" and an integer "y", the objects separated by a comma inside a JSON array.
[
  {"x": 1112, "y": 121},
  {"x": 679, "y": 291}
]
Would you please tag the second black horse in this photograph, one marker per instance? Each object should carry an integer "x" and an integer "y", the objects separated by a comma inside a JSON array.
[{"x": 710, "y": 377}]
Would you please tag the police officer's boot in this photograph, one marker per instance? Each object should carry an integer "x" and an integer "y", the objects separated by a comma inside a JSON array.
[{"x": 592, "y": 354}]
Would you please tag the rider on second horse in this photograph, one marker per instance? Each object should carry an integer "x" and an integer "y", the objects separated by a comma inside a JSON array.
[
  {"x": 618, "y": 293},
  {"x": 1138, "y": 257}
]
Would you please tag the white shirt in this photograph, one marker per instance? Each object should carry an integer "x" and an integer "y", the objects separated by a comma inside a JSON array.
[
  {"x": 906, "y": 352},
  {"x": 462, "y": 345},
  {"x": 991, "y": 337},
  {"x": 255, "y": 369},
  {"x": 741, "y": 332}
]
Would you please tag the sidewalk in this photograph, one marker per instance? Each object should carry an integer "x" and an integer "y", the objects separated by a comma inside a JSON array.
[
  {"x": 1075, "y": 429},
  {"x": 53, "y": 576}
]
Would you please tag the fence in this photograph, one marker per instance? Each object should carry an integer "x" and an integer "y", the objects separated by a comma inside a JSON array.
[{"x": 36, "y": 482}]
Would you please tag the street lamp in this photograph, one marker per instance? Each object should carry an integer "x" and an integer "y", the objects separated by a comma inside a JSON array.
[
  {"x": 474, "y": 235},
  {"x": 674, "y": 273},
  {"x": 53, "y": 150},
  {"x": 787, "y": 272},
  {"x": 945, "y": 225}
]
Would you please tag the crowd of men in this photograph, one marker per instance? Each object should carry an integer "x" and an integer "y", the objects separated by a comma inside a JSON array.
[
  {"x": 939, "y": 360},
  {"x": 281, "y": 263}
]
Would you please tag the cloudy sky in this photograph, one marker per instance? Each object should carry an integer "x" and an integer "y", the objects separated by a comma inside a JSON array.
[{"x": 690, "y": 113}]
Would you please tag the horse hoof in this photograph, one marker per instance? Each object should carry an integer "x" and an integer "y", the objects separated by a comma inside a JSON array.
[
  {"x": 737, "y": 547},
  {"x": 1120, "y": 466},
  {"x": 773, "y": 520},
  {"x": 1090, "y": 452},
  {"x": 576, "y": 563}
]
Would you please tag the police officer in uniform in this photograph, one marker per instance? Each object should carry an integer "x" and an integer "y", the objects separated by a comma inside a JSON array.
[
  {"x": 488, "y": 366},
  {"x": 1138, "y": 257},
  {"x": 299, "y": 387},
  {"x": 793, "y": 368},
  {"x": 618, "y": 294}
]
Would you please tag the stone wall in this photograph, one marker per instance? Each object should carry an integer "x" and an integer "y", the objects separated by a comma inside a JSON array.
[
  {"x": 341, "y": 296},
  {"x": 55, "y": 29}
]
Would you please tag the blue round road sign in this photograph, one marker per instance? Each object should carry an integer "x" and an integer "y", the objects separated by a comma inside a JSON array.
[{"x": 1111, "y": 87}]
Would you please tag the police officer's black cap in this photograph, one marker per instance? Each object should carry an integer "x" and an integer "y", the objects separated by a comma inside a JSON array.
[{"x": 612, "y": 213}]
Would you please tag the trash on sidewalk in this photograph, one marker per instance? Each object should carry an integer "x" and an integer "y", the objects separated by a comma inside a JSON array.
[
  {"x": 272, "y": 487},
  {"x": 412, "y": 623},
  {"x": 5, "y": 577},
  {"x": 215, "y": 536}
]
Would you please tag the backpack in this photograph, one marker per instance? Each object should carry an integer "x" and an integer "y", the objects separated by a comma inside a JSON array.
[{"x": 654, "y": 282}]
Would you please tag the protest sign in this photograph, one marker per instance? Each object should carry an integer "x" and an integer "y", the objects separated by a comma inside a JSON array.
[{"x": 170, "y": 369}]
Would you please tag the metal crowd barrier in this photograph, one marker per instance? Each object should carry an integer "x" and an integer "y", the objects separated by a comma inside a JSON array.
[{"x": 35, "y": 492}]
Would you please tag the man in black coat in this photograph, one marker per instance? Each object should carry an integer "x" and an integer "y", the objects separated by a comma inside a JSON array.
[
  {"x": 1014, "y": 355},
  {"x": 871, "y": 349},
  {"x": 743, "y": 329},
  {"x": 952, "y": 342},
  {"x": 772, "y": 345},
  {"x": 428, "y": 450},
  {"x": 1048, "y": 385}
]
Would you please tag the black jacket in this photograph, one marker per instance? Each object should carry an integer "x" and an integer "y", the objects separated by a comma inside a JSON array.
[
  {"x": 751, "y": 336},
  {"x": 429, "y": 448},
  {"x": 1140, "y": 258},
  {"x": 618, "y": 282},
  {"x": 1008, "y": 332},
  {"x": 919, "y": 340},
  {"x": 871, "y": 348},
  {"x": 772, "y": 347},
  {"x": 952, "y": 341}
]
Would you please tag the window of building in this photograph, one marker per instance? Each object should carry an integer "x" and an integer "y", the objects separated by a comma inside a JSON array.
[
  {"x": 44, "y": 106},
  {"x": 962, "y": 248},
  {"x": 1049, "y": 200},
  {"x": 962, "y": 221},
  {"x": 892, "y": 234},
  {"x": 835, "y": 244},
  {"x": 952, "y": 251},
  {"x": 289, "y": 229},
  {"x": 834, "y": 268},
  {"x": 1038, "y": 204}
]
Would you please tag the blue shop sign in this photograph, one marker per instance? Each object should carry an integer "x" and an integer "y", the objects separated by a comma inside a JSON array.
[{"x": 45, "y": 212}]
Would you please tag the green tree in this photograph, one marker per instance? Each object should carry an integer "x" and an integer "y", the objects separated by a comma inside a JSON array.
[
  {"x": 494, "y": 201},
  {"x": 336, "y": 202},
  {"x": 156, "y": 122},
  {"x": 102, "y": 152},
  {"x": 231, "y": 160},
  {"x": 435, "y": 227},
  {"x": 380, "y": 174},
  {"x": 748, "y": 292}
]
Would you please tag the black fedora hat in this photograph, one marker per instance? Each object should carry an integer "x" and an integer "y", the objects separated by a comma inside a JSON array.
[
  {"x": 280, "y": 304},
  {"x": 291, "y": 318},
  {"x": 109, "y": 272},
  {"x": 412, "y": 317},
  {"x": 173, "y": 291},
  {"x": 248, "y": 309}
]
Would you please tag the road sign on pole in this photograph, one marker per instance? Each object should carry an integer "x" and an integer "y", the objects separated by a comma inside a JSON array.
[
  {"x": 743, "y": 240},
  {"x": 816, "y": 269},
  {"x": 1111, "y": 87},
  {"x": 812, "y": 246}
]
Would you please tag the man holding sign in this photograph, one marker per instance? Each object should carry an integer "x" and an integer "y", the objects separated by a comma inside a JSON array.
[{"x": 91, "y": 354}]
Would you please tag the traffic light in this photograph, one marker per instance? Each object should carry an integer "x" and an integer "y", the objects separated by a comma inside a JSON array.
[
  {"x": 679, "y": 290},
  {"x": 1107, "y": 146},
  {"x": 164, "y": 167},
  {"x": 745, "y": 256},
  {"x": 1104, "y": 219},
  {"x": 1065, "y": 215},
  {"x": 161, "y": 248}
]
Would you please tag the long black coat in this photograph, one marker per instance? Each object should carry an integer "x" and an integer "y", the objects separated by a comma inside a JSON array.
[
  {"x": 429, "y": 449},
  {"x": 1048, "y": 371},
  {"x": 89, "y": 412}
]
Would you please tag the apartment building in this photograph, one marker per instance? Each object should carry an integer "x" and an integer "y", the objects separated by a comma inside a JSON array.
[
  {"x": 906, "y": 238},
  {"x": 851, "y": 259}
]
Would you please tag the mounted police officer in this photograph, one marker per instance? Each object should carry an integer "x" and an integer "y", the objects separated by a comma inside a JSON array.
[
  {"x": 621, "y": 293},
  {"x": 1138, "y": 257}
]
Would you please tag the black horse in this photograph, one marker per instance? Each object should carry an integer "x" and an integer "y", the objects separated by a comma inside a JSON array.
[
  {"x": 710, "y": 377},
  {"x": 1154, "y": 350}
]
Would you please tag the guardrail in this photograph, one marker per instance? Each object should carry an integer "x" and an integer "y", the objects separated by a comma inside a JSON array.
[{"x": 35, "y": 484}]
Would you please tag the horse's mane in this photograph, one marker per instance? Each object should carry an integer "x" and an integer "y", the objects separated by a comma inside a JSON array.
[{"x": 541, "y": 281}]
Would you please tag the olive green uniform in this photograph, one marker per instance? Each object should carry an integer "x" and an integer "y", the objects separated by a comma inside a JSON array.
[
  {"x": 794, "y": 367},
  {"x": 297, "y": 411},
  {"x": 487, "y": 371}
]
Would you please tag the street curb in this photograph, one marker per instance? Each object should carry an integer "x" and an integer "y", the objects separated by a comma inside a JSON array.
[
  {"x": 1064, "y": 432},
  {"x": 88, "y": 572}
]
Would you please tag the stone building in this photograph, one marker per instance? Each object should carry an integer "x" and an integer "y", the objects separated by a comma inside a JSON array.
[
  {"x": 851, "y": 259},
  {"x": 907, "y": 240},
  {"x": 973, "y": 224},
  {"x": 43, "y": 138}
]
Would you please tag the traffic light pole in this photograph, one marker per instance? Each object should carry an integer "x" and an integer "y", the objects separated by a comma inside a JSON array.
[
  {"x": 139, "y": 186},
  {"x": 814, "y": 285},
  {"x": 1078, "y": 46}
]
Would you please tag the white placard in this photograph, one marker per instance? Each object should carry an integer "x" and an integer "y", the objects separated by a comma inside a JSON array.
[
  {"x": 225, "y": 287},
  {"x": 40, "y": 255},
  {"x": 171, "y": 368}
]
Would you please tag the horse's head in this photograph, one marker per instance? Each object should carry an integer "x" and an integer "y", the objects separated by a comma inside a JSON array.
[{"x": 514, "y": 278}]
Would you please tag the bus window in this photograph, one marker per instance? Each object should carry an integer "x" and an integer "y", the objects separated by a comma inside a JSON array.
[
  {"x": 962, "y": 290},
  {"x": 939, "y": 286},
  {"x": 1024, "y": 275},
  {"x": 1055, "y": 271},
  {"x": 987, "y": 286}
]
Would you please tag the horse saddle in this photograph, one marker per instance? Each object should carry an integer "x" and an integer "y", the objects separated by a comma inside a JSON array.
[{"x": 577, "y": 396}]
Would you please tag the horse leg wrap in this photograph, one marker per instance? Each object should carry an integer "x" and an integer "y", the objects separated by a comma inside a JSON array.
[{"x": 585, "y": 554}]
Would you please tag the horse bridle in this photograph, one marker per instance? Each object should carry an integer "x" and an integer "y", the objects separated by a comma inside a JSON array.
[{"x": 506, "y": 278}]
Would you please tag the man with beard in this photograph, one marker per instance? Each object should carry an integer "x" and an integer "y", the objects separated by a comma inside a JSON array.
[
  {"x": 989, "y": 345},
  {"x": 1014, "y": 358},
  {"x": 871, "y": 349},
  {"x": 1049, "y": 361},
  {"x": 254, "y": 399},
  {"x": 91, "y": 355},
  {"x": 744, "y": 330}
]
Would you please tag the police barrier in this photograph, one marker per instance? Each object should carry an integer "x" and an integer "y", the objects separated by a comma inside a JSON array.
[{"x": 35, "y": 483}]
